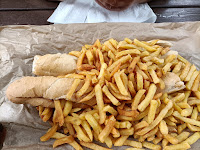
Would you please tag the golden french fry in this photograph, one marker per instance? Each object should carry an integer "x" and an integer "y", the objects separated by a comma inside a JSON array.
[
  {"x": 154, "y": 76},
  {"x": 110, "y": 109},
  {"x": 194, "y": 113},
  {"x": 70, "y": 128},
  {"x": 134, "y": 149},
  {"x": 126, "y": 52},
  {"x": 179, "y": 97},
  {"x": 171, "y": 139},
  {"x": 185, "y": 71},
  {"x": 133, "y": 143},
  {"x": 186, "y": 112},
  {"x": 93, "y": 146},
  {"x": 152, "y": 90},
  {"x": 73, "y": 120},
  {"x": 41, "y": 109},
  {"x": 142, "y": 66},
  {"x": 100, "y": 103},
  {"x": 59, "y": 113},
  {"x": 163, "y": 127},
  {"x": 67, "y": 108},
  {"x": 151, "y": 146},
  {"x": 48, "y": 115},
  {"x": 112, "y": 56},
  {"x": 137, "y": 99},
  {"x": 80, "y": 134},
  {"x": 152, "y": 111},
  {"x": 191, "y": 71},
  {"x": 75, "y": 53},
  {"x": 177, "y": 146},
  {"x": 131, "y": 88},
  {"x": 81, "y": 57},
  {"x": 75, "y": 145},
  {"x": 195, "y": 85},
  {"x": 147, "y": 47},
  {"x": 123, "y": 60},
  {"x": 106, "y": 131},
  {"x": 58, "y": 135},
  {"x": 110, "y": 96},
  {"x": 110, "y": 46},
  {"x": 73, "y": 88},
  {"x": 192, "y": 139},
  {"x": 120, "y": 141},
  {"x": 186, "y": 120},
  {"x": 170, "y": 58},
  {"x": 85, "y": 86},
  {"x": 190, "y": 83},
  {"x": 161, "y": 115},
  {"x": 192, "y": 127},
  {"x": 64, "y": 140},
  {"x": 90, "y": 57},
  {"x": 139, "y": 81},
  {"x": 126, "y": 131},
  {"x": 151, "y": 133},
  {"x": 120, "y": 84},
  {"x": 157, "y": 60},
  {"x": 141, "y": 125},
  {"x": 166, "y": 68},
  {"x": 50, "y": 133},
  {"x": 93, "y": 123},
  {"x": 133, "y": 63},
  {"x": 115, "y": 69}
]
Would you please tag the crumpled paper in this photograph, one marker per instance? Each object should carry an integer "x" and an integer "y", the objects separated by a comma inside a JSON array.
[
  {"x": 19, "y": 44},
  {"x": 87, "y": 11}
]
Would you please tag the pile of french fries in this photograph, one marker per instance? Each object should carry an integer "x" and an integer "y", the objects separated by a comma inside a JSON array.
[{"x": 125, "y": 81}]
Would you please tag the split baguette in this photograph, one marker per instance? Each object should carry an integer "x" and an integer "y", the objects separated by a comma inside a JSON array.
[
  {"x": 54, "y": 64},
  {"x": 42, "y": 90}
]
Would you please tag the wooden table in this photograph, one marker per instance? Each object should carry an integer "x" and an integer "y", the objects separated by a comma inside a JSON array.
[{"x": 36, "y": 12}]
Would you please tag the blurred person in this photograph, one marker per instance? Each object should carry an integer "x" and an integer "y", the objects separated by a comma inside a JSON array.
[{"x": 118, "y": 4}]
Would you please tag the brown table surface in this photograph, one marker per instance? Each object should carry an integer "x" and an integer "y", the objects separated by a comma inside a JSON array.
[{"x": 36, "y": 12}]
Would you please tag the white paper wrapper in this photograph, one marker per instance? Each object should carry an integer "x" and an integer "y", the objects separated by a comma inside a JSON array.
[
  {"x": 19, "y": 44},
  {"x": 87, "y": 11}
]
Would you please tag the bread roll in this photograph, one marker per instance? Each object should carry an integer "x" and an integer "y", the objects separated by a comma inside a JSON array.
[
  {"x": 43, "y": 89},
  {"x": 54, "y": 64}
]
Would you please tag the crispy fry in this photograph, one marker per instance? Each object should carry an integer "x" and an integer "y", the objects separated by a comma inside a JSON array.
[
  {"x": 59, "y": 113},
  {"x": 151, "y": 146},
  {"x": 106, "y": 131},
  {"x": 186, "y": 120},
  {"x": 120, "y": 84},
  {"x": 140, "y": 44},
  {"x": 192, "y": 139},
  {"x": 133, "y": 63},
  {"x": 67, "y": 139},
  {"x": 148, "y": 98},
  {"x": 122, "y": 60},
  {"x": 177, "y": 146},
  {"x": 152, "y": 111},
  {"x": 190, "y": 83},
  {"x": 154, "y": 76},
  {"x": 93, "y": 146},
  {"x": 84, "y": 87},
  {"x": 185, "y": 71},
  {"x": 67, "y": 108},
  {"x": 50, "y": 133},
  {"x": 157, "y": 120},
  {"x": 137, "y": 99},
  {"x": 139, "y": 81}
]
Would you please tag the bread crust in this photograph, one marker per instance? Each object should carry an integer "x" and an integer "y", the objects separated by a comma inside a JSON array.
[
  {"x": 54, "y": 64},
  {"x": 29, "y": 89}
]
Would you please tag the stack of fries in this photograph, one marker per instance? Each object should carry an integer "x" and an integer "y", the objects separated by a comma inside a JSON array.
[{"x": 125, "y": 82}]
